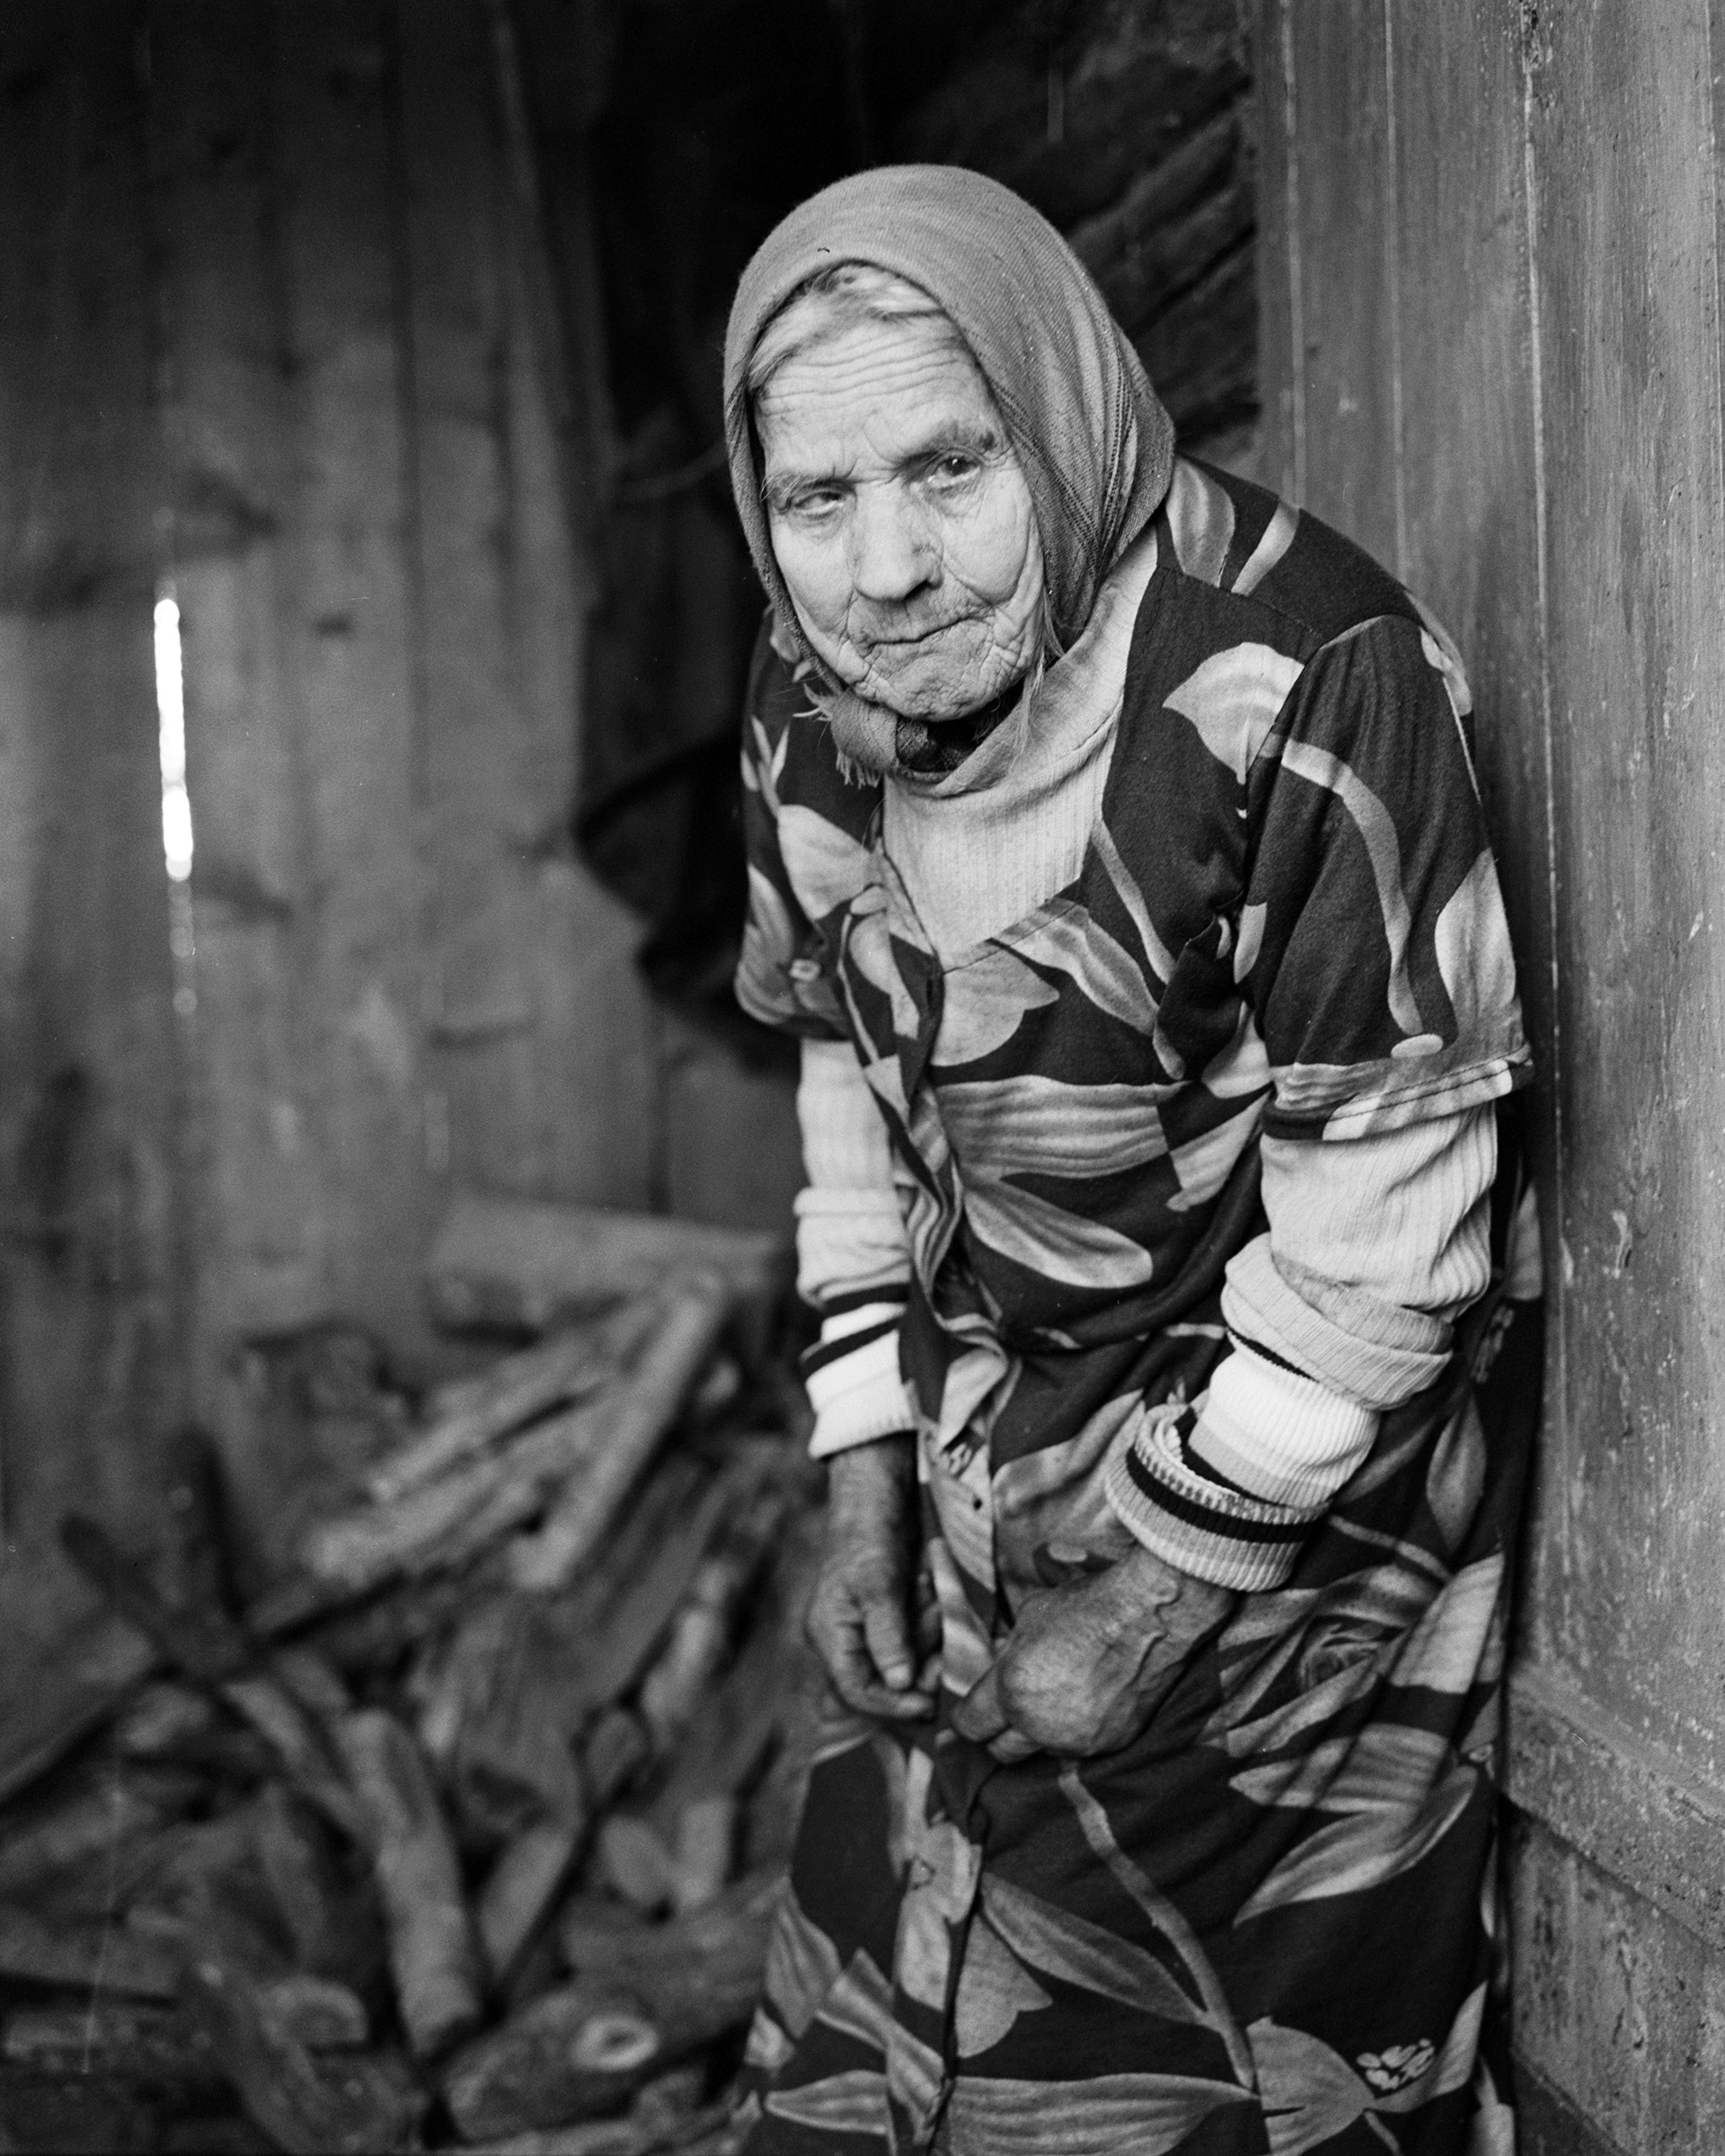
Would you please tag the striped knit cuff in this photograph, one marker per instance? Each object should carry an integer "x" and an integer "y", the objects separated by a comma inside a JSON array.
[
  {"x": 1275, "y": 1433},
  {"x": 1197, "y": 1523},
  {"x": 852, "y": 1378}
]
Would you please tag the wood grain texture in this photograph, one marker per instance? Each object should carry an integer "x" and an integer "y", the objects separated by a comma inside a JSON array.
[
  {"x": 1625, "y": 239},
  {"x": 233, "y": 480},
  {"x": 1626, "y": 1806},
  {"x": 1340, "y": 149},
  {"x": 350, "y": 628},
  {"x": 87, "y": 1069},
  {"x": 1615, "y": 2006},
  {"x": 1281, "y": 379},
  {"x": 1471, "y": 470}
]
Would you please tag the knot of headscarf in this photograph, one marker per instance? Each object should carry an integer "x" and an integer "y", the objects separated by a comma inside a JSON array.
[{"x": 1095, "y": 442}]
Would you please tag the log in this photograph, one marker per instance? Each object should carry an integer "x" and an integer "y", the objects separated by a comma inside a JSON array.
[
  {"x": 334, "y": 1926},
  {"x": 449, "y": 1520},
  {"x": 722, "y": 1945},
  {"x": 571, "y": 1365},
  {"x": 208, "y": 1647},
  {"x": 90, "y": 1674},
  {"x": 432, "y": 1952},
  {"x": 643, "y": 1411},
  {"x": 93, "y": 1830},
  {"x": 85, "y": 1956},
  {"x": 646, "y": 2133},
  {"x": 349, "y": 2108},
  {"x": 316, "y": 2011},
  {"x": 700, "y": 1637},
  {"x": 706, "y": 1846},
  {"x": 685, "y": 1508},
  {"x": 200, "y": 1642},
  {"x": 502, "y": 1718},
  {"x": 636, "y": 1864},
  {"x": 521, "y": 1891},
  {"x": 581, "y": 2049},
  {"x": 514, "y": 1261},
  {"x": 163, "y": 1720},
  {"x": 371, "y": 1639},
  {"x": 159, "y": 2046}
]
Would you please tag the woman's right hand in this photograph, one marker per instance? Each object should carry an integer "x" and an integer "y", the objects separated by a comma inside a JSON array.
[{"x": 877, "y": 1648}]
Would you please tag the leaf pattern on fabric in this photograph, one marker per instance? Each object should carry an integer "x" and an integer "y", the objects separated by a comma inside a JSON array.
[
  {"x": 995, "y": 1989},
  {"x": 1204, "y": 1163},
  {"x": 802, "y": 1967},
  {"x": 1133, "y": 2113},
  {"x": 1068, "y": 939},
  {"x": 986, "y": 1002},
  {"x": 1065, "y": 1945},
  {"x": 1388, "y": 1765},
  {"x": 1445, "y": 1650},
  {"x": 1472, "y": 941},
  {"x": 1233, "y": 700},
  {"x": 860, "y": 2004},
  {"x": 853, "y": 2102},
  {"x": 1352, "y": 1855},
  {"x": 827, "y": 867},
  {"x": 1002, "y": 1128},
  {"x": 1310, "y": 2093},
  {"x": 1377, "y": 828}
]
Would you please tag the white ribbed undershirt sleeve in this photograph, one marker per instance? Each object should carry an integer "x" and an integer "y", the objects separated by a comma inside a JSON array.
[
  {"x": 852, "y": 1260},
  {"x": 1342, "y": 1310}
]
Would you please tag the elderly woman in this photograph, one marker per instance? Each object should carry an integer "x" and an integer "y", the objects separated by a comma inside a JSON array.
[{"x": 1115, "y": 852}]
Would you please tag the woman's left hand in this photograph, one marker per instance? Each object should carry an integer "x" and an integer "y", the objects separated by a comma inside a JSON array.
[{"x": 1089, "y": 1662}]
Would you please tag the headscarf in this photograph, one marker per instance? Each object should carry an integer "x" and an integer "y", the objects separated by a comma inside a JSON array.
[{"x": 1095, "y": 442}]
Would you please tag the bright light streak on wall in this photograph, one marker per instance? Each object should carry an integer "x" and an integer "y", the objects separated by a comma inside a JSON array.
[{"x": 170, "y": 719}]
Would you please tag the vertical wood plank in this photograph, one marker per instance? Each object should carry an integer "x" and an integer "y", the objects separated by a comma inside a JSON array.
[
  {"x": 1470, "y": 472},
  {"x": 350, "y": 635},
  {"x": 1281, "y": 388},
  {"x": 502, "y": 605},
  {"x": 1340, "y": 151},
  {"x": 261, "y": 1202},
  {"x": 1625, "y": 234},
  {"x": 87, "y": 1069},
  {"x": 597, "y": 1092}
]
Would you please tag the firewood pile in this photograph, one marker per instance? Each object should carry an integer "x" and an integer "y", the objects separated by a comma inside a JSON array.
[{"x": 467, "y": 1829}]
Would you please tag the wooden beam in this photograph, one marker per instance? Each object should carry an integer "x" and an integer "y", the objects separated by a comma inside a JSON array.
[{"x": 87, "y": 1068}]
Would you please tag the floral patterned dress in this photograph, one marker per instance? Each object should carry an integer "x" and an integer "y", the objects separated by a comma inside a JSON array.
[{"x": 1269, "y": 1923}]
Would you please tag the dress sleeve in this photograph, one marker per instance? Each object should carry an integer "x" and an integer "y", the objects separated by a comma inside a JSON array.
[
  {"x": 783, "y": 975},
  {"x": 1342, "y": 1310},
  {"x": 853, "y": 1263},
  {"x": 1372, "y": 945},
  {"x": 1374, "y": 956}
]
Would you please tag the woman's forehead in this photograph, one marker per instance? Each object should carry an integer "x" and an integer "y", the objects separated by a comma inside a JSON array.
[{"x": 887, "y": 384}]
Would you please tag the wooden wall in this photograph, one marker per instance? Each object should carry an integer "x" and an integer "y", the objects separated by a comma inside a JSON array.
[
  {"x": 267, "y": 340},
  {"x": 1491, "y": 277}
]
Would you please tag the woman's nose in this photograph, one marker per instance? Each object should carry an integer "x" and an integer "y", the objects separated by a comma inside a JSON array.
[{"x": 891, "y": 556}]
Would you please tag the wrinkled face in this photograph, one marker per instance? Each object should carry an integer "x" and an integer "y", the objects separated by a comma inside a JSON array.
[{"x": 901, "y": 518}]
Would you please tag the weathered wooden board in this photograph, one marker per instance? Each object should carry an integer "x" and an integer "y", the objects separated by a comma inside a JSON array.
[
  {"x": 1470, "y": 467},
  {"x": 87, "y": 1070},
  {"x": 1617, "y": 2006},
  {"x": 351, "y": 627},
  {"x": 233, "y": 479},
  {"x": 1341, "y": 154},
  {"x": 1544, "y": 371},
  {"x": 539, "y": 1044},
  {"x": 1628, "y": 347},
  {"x": 1280, "y": 459}
]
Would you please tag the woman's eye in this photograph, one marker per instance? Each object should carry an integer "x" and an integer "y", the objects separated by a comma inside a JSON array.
[{"x": 951, "y": 471}]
